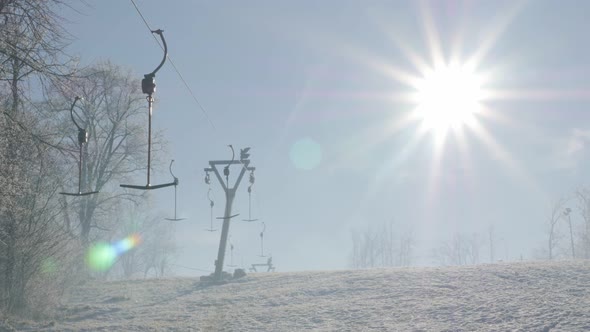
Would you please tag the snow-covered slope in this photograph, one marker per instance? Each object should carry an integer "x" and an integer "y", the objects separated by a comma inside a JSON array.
[{"x": 500, "y": 297}]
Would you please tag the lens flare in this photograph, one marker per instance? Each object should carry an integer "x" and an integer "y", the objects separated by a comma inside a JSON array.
[
  {"x": 306, "y": 154},
  {"x": 127, "y": 244},
  {"x": 48, "y": 266},
  {"x": 101, "y": 256}
]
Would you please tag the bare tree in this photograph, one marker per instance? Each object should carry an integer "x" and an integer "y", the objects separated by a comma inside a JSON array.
[
  {"x": 155, "y": 235},
  {"x": 567, "y": 214},
  {"x": 491, "y": 242},
  {"x": 157, "y": 258},
  {"x": 113, "y": 113},
  {"x": 460, "y": 250},
  {"x": 583, "y": 199},
  {"x": 355, "y": 256},
  {"x": 385, "y": 246},
  {"x": 32, "y": 39},
  {"x": 364, "y": 253},
  {"x": 30, "y": 229},
  {"x": 157, "y": 248},
  {"x": 553, "y": 235},
  {"x": 31, "y": 44},
  {"x": 406, "y": 249}
]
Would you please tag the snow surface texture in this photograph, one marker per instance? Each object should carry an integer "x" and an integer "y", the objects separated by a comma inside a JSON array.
[{"x": 539, "y": 296}]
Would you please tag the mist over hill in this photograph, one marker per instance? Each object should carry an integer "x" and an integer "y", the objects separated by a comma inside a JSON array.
[{"x": 538, "y": 296}]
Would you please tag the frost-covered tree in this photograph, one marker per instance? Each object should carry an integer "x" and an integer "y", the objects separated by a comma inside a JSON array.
[
  {"x": 583, "y": 234},
  {"x": 462, "y": 249},
  {"x": 31, "y": 234},
  {"x": 385, "y": 246},
  {"x": 553, "y": 235},
  {"x": 113, "y": 112},
  {"x": 155, "y": 247},
  {"x": 32, "y": 40},
  {"x": 31, "y": 51}
]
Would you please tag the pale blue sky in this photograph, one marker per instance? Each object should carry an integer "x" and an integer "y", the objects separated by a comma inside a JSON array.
[{"x": 271, "y": 74}]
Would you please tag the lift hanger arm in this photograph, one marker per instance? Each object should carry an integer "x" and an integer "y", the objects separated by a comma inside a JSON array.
[
  {"x": 72, "y": 113},
  {"x": 148, "y": 84},
  {"x": 160, "y": 32},
  {"x": 175, "y": 194},
  {"x": 173, "y": 176}
]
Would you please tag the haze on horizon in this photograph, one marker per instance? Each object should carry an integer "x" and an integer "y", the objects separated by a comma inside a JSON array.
[{"x": 336, "y": 101}]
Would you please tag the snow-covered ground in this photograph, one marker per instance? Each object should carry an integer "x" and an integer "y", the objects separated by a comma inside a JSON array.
[{"x": 500, "y": 297}]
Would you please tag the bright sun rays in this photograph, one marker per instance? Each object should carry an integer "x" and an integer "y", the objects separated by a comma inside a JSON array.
[{"x": 448, "y": 97}]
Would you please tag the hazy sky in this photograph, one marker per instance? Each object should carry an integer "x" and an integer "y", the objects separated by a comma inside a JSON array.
[{"x": 315, "y": 87}]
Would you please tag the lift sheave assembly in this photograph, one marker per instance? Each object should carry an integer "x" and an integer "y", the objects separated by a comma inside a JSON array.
[
  {"x": 226, "y": 174},
  {"x": 82, "y": 139},
  {"x": 148, "y": 86}
]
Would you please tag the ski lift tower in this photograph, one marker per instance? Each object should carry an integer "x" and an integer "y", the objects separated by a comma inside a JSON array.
[{"x": 230, "y": 194}]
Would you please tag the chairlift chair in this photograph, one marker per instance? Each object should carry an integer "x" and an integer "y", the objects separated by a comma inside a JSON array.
[{"x": 82, "y": 139}]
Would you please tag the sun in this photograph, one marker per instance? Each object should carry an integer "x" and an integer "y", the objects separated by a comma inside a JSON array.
[{"x": 447, "y": 97}]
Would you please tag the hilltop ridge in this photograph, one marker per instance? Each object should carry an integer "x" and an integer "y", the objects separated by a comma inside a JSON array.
[{"x": 535, "y": 296}]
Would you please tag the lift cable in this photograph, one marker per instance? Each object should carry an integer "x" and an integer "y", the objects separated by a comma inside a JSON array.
[
  {"x": 243, "y": 152},
  {"x": 175, "y": 68},
  {"x": 190, "y": 268}
]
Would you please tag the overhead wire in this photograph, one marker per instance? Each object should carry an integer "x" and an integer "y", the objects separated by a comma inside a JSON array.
[
  {"x": 191, "y": 268},
  {"x": 175, "y": 68},
  {"x": 183, "y": 81}
]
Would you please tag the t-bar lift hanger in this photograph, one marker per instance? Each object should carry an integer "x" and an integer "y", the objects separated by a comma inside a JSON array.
[
  {"x": 231, "y": 251},
  {"x": 148, "y": 86},
  {"x": 82, "y": 139},
  {"x": 211, "y": 205},
  {"x": 252, "y": 179},
  {"x": 211, "y": 202},
  {"x": 262, "y": 240},
  {"x": 175, "y": 187}
]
